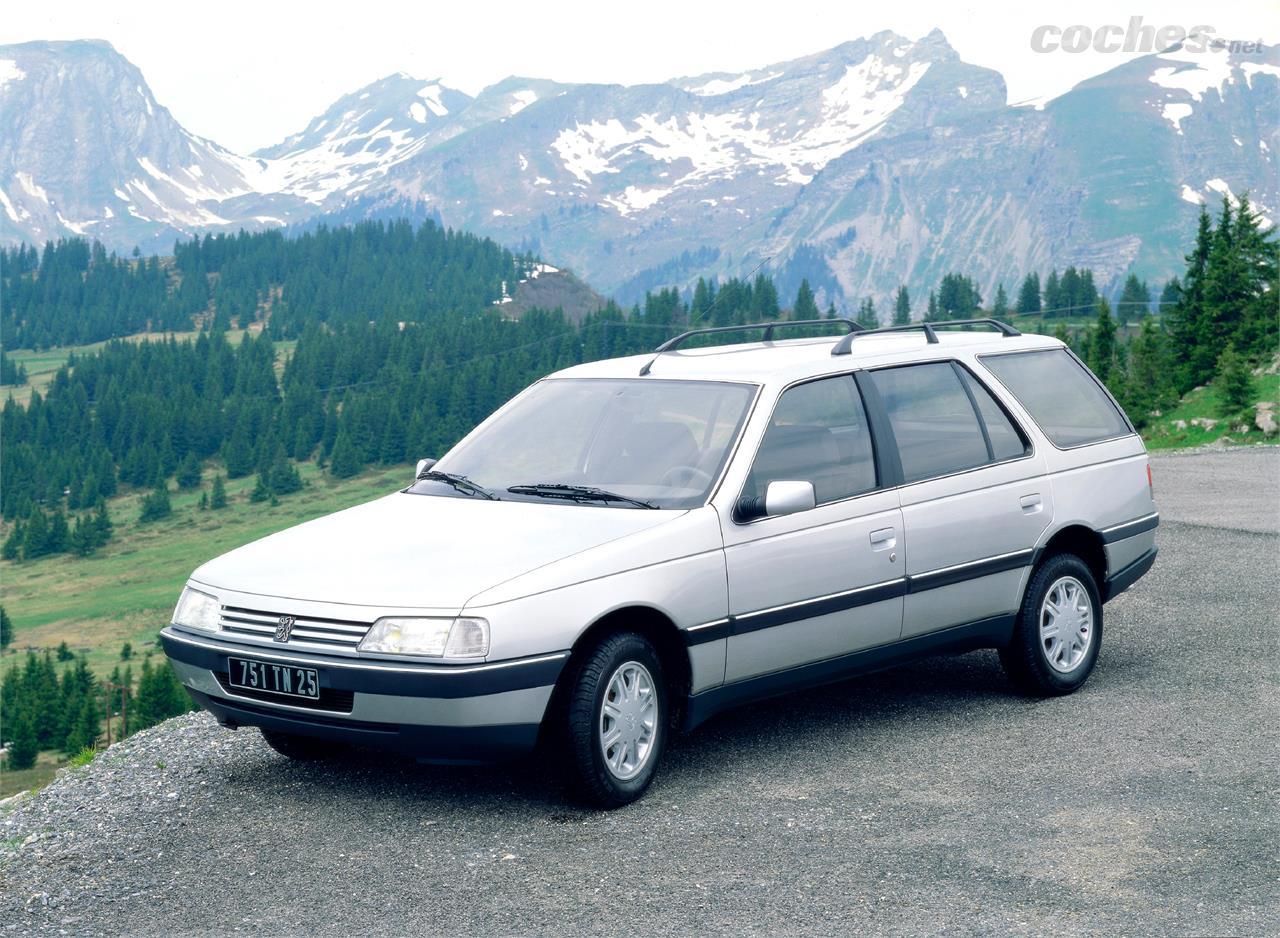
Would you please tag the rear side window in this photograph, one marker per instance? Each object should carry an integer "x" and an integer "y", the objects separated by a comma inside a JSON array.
[
  {"x": 818, "y": 433},
  {"x": 935, "y": 425},
  {"x": 1007, "y": 441},
  {"x": 1063, "y": 398}
]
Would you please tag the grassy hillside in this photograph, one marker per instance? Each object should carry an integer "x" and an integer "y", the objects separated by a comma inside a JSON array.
[
  {"x": 1197, "y": 418},
  {"x": 126, "y": 591},
  {"x": 43, "y": 365}
]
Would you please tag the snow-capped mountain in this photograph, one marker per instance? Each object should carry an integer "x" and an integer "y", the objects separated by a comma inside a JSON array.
[
  {"x": 86, "y": 150},
  {"x": 880, "y": 161}
]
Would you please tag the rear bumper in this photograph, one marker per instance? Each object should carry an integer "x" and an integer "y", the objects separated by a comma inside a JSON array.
[
  {"x": 1125, "y": 577},
  {"x": 471, "y": 713}
]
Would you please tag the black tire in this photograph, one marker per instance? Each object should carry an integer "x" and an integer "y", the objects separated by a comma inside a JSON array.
[
  {"x": 301, "y": 748},
  {"x": 1026, "y": 659},
  {"x": 587, "y": 773}
]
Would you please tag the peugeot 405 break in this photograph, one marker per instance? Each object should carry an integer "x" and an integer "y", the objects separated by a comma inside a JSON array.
[{"x": 629, "y": 546}]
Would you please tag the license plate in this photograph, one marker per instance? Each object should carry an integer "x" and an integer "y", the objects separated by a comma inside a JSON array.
[{"x": 284, "y": 679}]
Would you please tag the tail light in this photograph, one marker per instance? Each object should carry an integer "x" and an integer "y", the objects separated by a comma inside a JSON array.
[{"x": 1151, "y": 485}]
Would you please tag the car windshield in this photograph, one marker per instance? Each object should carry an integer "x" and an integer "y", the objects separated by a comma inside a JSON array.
[{"x": 619, "y": 443}]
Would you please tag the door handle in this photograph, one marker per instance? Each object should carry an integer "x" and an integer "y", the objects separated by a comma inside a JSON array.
[
  {"x": 1032, "y": 503},
  {"x": 884, "y": 539}
]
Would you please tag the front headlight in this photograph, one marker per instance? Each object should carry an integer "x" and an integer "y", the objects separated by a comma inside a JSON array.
[
  {"x": 433, "y": 638},
  {"x": 197, "y": 610}
]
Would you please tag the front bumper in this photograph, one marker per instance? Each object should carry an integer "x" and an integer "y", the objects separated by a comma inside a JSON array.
[{"x": 452, "y": 713}]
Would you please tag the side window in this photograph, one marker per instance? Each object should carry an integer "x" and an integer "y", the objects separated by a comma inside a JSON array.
[
  {"x": 1007, "y": 442},
  {"x": 933, "y": 421},
  {"x": 1062, "y": 397},
  {"x": 818, "y": 433}
]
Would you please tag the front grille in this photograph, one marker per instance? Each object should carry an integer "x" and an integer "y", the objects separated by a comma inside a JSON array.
[
  {"x": 338, "y": 633},
  {"x": 335, "y": 701}
]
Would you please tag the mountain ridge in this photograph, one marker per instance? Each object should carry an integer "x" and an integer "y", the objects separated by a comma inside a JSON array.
[{"x": 879, "y": 161}]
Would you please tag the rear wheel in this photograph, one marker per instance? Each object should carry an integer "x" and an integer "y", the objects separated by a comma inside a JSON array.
[
  {"x": 300, "y": 748},
  {"x": 1059, "y": 629},
  {"x": 614, "y": 723}
]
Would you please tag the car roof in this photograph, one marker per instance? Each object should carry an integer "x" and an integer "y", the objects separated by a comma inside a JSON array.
[{"x": 790, "y": 360}]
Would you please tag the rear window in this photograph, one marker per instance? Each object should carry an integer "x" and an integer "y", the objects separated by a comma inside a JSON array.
[{"x": 1061, "y": 395}]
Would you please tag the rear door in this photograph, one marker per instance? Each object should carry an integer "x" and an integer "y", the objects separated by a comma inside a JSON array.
[
  {"x": 974, "y": 496},
  {"x": 825, "y": 582}
]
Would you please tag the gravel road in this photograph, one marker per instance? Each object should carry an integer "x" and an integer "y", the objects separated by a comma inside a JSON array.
[{"x": 922, "y": 800}]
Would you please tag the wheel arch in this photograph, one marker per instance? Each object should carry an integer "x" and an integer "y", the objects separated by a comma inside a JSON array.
[
  {"x": 1085, "y": 543},
  {"x": 656, "y": 626}
]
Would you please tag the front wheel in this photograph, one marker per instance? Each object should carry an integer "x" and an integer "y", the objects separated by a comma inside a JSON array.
[
  {"x": 1059, "y": 629},
  {"x": 614, "y": 725}
]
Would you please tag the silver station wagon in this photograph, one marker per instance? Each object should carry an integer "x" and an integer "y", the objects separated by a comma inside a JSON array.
[{"x": 629, "y": 546}]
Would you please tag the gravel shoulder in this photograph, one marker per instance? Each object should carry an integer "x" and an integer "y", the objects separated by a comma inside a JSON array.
[{"x": 927, "y": 799}]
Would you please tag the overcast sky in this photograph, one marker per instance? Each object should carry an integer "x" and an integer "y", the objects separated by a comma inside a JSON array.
[{"x": 247, "y": 74}]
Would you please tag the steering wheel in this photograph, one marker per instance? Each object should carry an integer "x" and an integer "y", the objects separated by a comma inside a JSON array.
[{"x": 692, "y": 474}]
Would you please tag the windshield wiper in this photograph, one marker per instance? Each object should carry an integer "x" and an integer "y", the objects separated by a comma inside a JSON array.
[
  {"x": 461, "y": 483},
  {"x": 577, "y": 493}
]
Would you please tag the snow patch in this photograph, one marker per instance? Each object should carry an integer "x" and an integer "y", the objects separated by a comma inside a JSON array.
[
  {"x": 1258, "y": 68},
  {"x": 1209, "y": 72},
  {"x": 524, "y": 163},
  {"x": 1175, "y": 114},
  {"x": 542, "y": 181},
  {"x": 521, "y": 100},
  {"x": 1190, "y": 195},
  {"x": 719, "y": 86},
  {"x": 431, "y": 95},
  {"x": 15, "y": 214},
  {"x": 963, "y": 91},
  {"x": 418, "y": 111},
  {"x": 29, "y": 186},
  {"x": 634, "y": 199},
  {"x": 498, "y": 213},
  {"x": 9, "y": 71},
  {"x": 1220, "y": 186}
]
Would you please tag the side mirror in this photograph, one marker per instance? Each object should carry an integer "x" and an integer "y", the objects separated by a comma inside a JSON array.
[
  {"x": 780, "y": 498},
  {"x": 423, "y": 466}
]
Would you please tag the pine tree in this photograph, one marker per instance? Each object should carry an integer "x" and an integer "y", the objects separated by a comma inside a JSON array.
[
  {"x": 806, "y": 307},
  {"x": 262, "y": 490},
  {"x": 84, "y": 537},
  {"x": 345, "y": 461},
  {"x": 1148, "y": 386},
  {"x": 1135, "y": 300},
  {"x": 102, "y": 526},
  {"x": 35, "y": 541},
  {"x": 218, "y": 496},
  {"x": 156, "y": 505},
  {"x": 6, "y": 629},
  {"x": 1029, "y": 295},
  {"x": 13, "y": 544},
  {"x": 64, "y": 652},
  {"x": 1103, "y": 344},
  {"x": 283, "y": 477},
  {"x": 902, "y": 307},
  {"x": 1234, "y": 385},
  {"x": 1000, "y": 307},
  {"x": 867, "y": 317},
  {"x": 23, "y": 747},
  {"x": 188, "y": 476}
]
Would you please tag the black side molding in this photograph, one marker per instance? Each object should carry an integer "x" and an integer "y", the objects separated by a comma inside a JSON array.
[
  {"x": 1125, "y": 577},
  {"x": 985, "y": 633}
]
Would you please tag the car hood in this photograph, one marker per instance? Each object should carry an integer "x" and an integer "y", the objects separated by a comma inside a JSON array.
[{"x": 419, "y": 551}]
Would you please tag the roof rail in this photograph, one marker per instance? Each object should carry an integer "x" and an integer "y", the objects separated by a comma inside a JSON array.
[
  {"x": 768, "y": 327},
  {"x": 845, "y": 345}
]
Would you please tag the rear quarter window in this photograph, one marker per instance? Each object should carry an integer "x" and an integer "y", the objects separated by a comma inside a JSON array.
[{"x": 1062, "y": 396}]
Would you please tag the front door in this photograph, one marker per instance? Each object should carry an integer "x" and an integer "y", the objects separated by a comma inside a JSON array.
[{"x": 825, "y": 582}]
